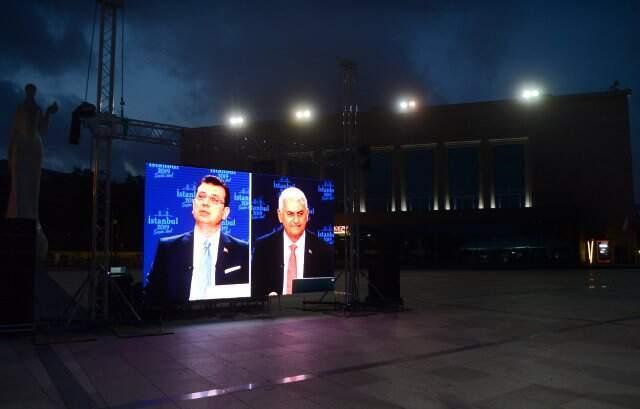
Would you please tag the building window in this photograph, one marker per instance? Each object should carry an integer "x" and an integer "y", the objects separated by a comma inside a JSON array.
[
  {"x": 509, "y": 176},
  {"x": 463, "y": 177},
  {"x": 419, "y": 179},
  {"x": 378, "y": 186}
]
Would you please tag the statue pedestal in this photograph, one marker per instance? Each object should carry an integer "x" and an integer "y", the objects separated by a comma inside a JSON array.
[{"x": 18, "y": 255}]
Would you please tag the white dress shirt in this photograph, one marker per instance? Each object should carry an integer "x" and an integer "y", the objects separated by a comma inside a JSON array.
[{"x": 197, "y": 292}]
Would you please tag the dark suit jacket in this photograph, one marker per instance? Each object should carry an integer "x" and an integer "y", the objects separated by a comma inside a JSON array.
[
  {"x": 169, "y": 281},
  {"x": 267, "y": 273}
]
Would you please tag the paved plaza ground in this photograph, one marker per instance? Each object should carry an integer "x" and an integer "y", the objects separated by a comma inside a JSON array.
[{"x": 487, "y": 339}]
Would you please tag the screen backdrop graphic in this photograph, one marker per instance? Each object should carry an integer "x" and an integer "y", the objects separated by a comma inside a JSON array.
[
  {"x": 169, "y": 192},
  {"x": 170, "y": 189},
  {"x": 265, "y": 192}
]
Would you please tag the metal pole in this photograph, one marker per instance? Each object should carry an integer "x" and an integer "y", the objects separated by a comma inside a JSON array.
[
  {"x": 93, "y": 282},
  {"x": 99, "y": 107},
  {"x": 356, "y": 210},
  {"x": 345, "y": 201},
  {"x": 349, "y": 123},
  {"x": 101, "y": 163}
]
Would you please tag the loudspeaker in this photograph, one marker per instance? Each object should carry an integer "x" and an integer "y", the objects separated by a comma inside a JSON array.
[
  {"x": 18, "y": 255},
  {"x": 383, "y": 264},
  {"x": 83, "y": 111}
]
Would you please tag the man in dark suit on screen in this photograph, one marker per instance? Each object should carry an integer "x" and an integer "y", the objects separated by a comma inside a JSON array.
[
  {"x": 198, "y": 264},
  {"x": 291, "y": 252}
]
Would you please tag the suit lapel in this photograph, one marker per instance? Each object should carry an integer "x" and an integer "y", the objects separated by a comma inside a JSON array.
[
  {"x": 223, "y": 251},
  {"x": 307, "y": 248},
  {"x": 223, "y": 247},
  {"x": 308, "y": 254},
  {"x": 279, "y": 250},
  {"x": 186, "y": 254}
]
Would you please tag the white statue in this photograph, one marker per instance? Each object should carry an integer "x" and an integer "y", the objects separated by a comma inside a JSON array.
[{"x": 25, "y": 161}]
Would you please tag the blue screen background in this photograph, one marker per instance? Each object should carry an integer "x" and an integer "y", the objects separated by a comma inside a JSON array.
[
  {"x": 320, "y": 196},
  {"x": 169, "y": 191}
]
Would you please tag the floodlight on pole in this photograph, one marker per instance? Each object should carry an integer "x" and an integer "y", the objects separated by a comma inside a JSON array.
[
  {"x": 530, "y": 94},
  {"x": 303, "y": 114},
  {"x": 406, "y": 105},
  {"x": 237, "y": 120}
]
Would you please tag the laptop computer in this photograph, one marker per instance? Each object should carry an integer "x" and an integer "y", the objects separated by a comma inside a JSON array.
[{"x": 313, "y": 285}]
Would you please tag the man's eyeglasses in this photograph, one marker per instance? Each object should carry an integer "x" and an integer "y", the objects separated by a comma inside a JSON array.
[{"x": 213, "y": 199}]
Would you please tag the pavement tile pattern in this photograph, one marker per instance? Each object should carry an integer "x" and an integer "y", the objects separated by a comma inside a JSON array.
[{"x": 480, "y": 339}]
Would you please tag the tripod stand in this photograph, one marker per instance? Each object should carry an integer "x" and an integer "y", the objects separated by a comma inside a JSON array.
[{"x": 114, "y": 288}]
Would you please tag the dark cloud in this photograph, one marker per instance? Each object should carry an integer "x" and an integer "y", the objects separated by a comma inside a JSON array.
[
  {"x": 271, "y": 55},
  {"x": 58, "y": 154},
  {"x": 265, "y": 54},
  {"x": 10, "y": 95},
  {"x": 44, "y": 37},
  {"x": 127, "y": 157},
  {"x": 188, "y": 62}
]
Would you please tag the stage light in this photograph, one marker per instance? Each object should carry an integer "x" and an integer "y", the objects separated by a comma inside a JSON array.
[
  {"x": 530, "y": 94},
  {"x": 406, "y": 105},
  {"x": 237, "y": 120},
  {"x": 302, "y": 114}
]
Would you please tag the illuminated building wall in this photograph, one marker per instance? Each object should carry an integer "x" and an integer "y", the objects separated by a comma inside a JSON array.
[{"x": 555, "y": 173}]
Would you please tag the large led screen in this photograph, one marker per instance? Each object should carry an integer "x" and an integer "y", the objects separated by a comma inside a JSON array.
[
  {"x": 220, "y": 234},
  {"x": 280, "y": 219}
]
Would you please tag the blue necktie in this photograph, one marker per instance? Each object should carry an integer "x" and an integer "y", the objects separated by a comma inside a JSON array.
[{"x": 206, "y": 264}]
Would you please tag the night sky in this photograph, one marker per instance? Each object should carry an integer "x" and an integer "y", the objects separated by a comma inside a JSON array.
[{"x": 189, "y": 62}]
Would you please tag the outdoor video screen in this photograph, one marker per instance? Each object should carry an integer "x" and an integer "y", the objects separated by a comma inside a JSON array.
[{"x": 220, "y": 234}]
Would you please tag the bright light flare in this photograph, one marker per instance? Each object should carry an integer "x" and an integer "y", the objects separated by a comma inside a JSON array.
[
  {"x": 303, "y": 114},
  {"x": 530, "y": 94},
  {"x": 237, "y": 120},
  {"x": 406, "y": 105}
]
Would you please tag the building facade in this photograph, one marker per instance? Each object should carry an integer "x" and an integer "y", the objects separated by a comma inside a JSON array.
[{"x": 501, "y": 182}]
